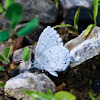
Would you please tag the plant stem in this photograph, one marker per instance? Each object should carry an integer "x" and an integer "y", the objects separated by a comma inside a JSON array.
[
  {"x": 7, "y": 73},
  {"x": 14, "y": 62}
]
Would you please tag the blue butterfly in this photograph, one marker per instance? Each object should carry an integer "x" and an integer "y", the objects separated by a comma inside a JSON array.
[{"x": 50, "y": 54}]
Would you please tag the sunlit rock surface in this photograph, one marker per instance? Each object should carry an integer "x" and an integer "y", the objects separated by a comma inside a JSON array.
[
  {"x": 68, "y": 4},
  {"x": 82, "y": 49},
  {"x": 15, "y": 86}
]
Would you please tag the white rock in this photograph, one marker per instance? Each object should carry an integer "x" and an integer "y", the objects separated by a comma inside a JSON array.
[
  {"x": 82, "y": 49},
  {"x": 15, "y": 86},
  {"x": 67, "y": 4}
]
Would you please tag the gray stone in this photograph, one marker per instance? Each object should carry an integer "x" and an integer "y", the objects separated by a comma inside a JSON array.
[
  {"x": 17, "y": 55},
  {"x": 4, "y": 23},
  {"x": 15, "y": 86},
  {"x": 36, "y": 33},
  {"x": 44, "y": 9},
  {"x": 82, "y": 49},
  {"x": 33, "y": 35},
  {"x": 24, "y": 65},
  {"x": 68, "y": 4}
]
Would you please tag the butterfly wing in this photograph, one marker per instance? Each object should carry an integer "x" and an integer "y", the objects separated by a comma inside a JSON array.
[
  {"x": 48, "y": 38},
  {"x": 50, "y": 54},
  {"x": 54, "y": 59}
]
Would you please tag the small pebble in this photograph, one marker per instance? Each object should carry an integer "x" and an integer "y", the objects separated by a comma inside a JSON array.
[{"x": 96, "y": 87}]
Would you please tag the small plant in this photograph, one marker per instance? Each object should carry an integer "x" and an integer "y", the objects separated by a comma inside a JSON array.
[
  {"x": 14, "y": 12},
  {"x": 75, "y": 27},
  {"x": 62, "y": 95},
  {"x": 95, "y": 13},
  {"x": 91, "y": 96},
  {"x": 5, "y": 62}
]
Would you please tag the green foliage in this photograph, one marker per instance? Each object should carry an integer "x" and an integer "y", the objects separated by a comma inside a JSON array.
[
  {"x": 2, "y": 58},
  {"x": 14, "y": 12},
  {"x": 36, "y": 95},
  {"x": 8, "y": 3},
  {"x": 63, "y": 25},
  {"x": 88, "y": 29},
  {"x": 6, "y": 55},
  {"x": 95, "y": 13},
  {"x": 1, "y": 9},
  {"x": 75, "y": 27},
  {"x": 57, "y": 2},
  {"x": 5, "y": 62},
  {"x": 5, "y": 58},
  {"x": 90, "y": 94},
  {"x": 62, "y": 95},
  {"x": 2, "y": 85},
  {"x": 4, "y": 36},
  {"x": 26, "y": 54},
  {"x": 7, "y": 52},
  {"x": 2, "y": 68},
  {"x": 95, "y": 10},
  {"x": 76, "y": 17},
  {"x": 29, "y": 27}
]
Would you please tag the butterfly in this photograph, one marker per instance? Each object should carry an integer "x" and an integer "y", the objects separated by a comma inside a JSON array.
[{"x": 50, "y": 54}]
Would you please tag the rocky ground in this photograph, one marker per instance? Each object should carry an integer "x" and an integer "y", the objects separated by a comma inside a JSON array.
[{"x": 85, "y": 51}]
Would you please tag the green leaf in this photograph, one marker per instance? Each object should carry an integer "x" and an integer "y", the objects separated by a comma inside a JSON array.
[
  {"x": 2, "y": 85},
  {"x": 95, "y": 10},
  {"x": 2, "y": 68},
  {"x": 1, "y": 9},
  {"x": 29, "y": 27},
  {"x": 57, "y": 2},
  {"x": 36, "y": 95},
  {"x": 63, "y": 25},
  {"x": 2, "y": 58},
  {"x": 7, "y": 52},
  {"x": 88, "y": 29},
  {"x": 6, "y": 62},
  {"x": 8, "y": 3},
  {"x": 90, "y": 94},
  {"x": 63, "y": 95},
  {"x": 26, "y": 54},
  {"x": 50, "y": 95},
  {"x": 4, "y": 36},
  {"x": 76, "y": 17},
  {"x": 14, "y": 12}
]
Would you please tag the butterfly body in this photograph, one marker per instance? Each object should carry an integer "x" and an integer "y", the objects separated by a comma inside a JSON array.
[{"x": 50, "y": 54}]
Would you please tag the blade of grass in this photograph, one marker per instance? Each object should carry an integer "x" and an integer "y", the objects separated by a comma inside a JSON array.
[
  {"x": 88, "y": 29},
  {"x": 57, "y": 2},
  {"x": 91, "y": 96},
  {"x": 76, "y": 17},
  {"x": 95, "y": 10},
  {"x": 63, "y": 25}
]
